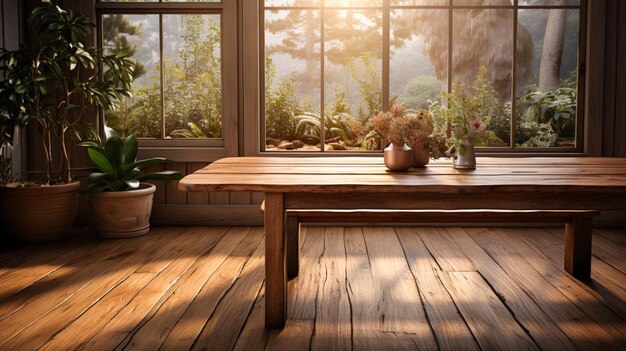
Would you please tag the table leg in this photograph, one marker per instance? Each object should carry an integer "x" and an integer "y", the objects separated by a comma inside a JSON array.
[
  {"x": 292, "y": 231},
  {"x": 578, "y": 247},
  {"x": 275, "y": 262}
]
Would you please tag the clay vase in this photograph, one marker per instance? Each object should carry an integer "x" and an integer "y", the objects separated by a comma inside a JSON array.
[
  {"x": 123, "y": 214},
  {"x": 465, "y": 157},
  {"x": 38, "y": 214},
  {"x": 398, "y": 158},
  {"x": 421, "y": 157}
]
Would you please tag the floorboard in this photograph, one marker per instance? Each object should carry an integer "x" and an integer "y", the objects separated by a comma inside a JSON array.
[{"x": 359, "y": 288}]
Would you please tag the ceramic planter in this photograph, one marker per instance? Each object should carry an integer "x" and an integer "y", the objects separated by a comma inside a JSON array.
[
  {"x": 421, "y": 157},
  {"x": 465, "y": 157},
  {"x": 398, "y": 158},
  {"x": 123, "y": 214},
  {"x": 38, "y": 214}
]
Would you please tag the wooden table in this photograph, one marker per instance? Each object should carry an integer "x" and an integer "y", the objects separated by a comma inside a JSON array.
[{"x": 344, "y": 183}]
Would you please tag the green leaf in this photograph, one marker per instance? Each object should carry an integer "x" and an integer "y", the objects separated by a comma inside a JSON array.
[
  {"x": 99, "y": 158},
  {"x": 164, "y": 175},
  {"x": 146, "y": 163},
  {"x": 130, "y": 149},
  {"x": 114, "y": 149}
]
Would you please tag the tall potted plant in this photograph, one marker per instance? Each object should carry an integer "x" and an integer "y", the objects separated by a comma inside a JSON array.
[{"x": 51, "y": 87}]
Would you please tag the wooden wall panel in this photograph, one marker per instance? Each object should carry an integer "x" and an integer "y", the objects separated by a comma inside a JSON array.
[
  {"x": 610, "y": 70},
  {"x": 172, "y": 195},
  {"x": 196, "y": 198},
  {"x": 620, "y": 77}
]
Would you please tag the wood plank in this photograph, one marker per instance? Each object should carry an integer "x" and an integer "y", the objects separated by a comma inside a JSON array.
[
  {"x": 155, "y": 330},
  {"x": 448, "y": 257},
  {"x": 219, "y": 198},
  {"x": 490, "y": 321},
  {"x": 240, "y": 199},
  {"x": 584, "y": 299},
  {"x": 333, "y": 329},
  {"x": 71, "y": 337},
  {"x": 222, "y": 330},
  {"x": 37, "y": 267},
  {"x": 536, "y": 322},
  {"x": 196, "y": 198},
  {"x": 618, "y": 236},
  {"x": 254, "y": 336},
  {"x": 174, "y": 196},
  {"x": 202, "y": 306},
  {"x": 610, "y": 253},
  {"x": 303, "y": 290},
  {"x": 547, "y": 296},
  {"x": 119, "y": 329},
  {"x": 399, "y": 304},
  {"x": 366, "y": 334},
  {"x": 275, "y": 262},
  {"x": 36, "y": 330},
  {"x": 451, "y": 331},
  {"x": 607, "y": 284},
  {"x": 49, "y": 293}
]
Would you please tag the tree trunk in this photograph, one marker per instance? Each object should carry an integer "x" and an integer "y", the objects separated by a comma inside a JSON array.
[{"x": 553, "y": 42}]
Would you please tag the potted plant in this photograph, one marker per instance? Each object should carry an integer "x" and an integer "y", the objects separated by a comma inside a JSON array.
[
  {"x": 121, "y": 202},
  {"x": 51, "y": 86},
  {"x": 467, "y": 111},
  {"x": 401, "y": 126}
]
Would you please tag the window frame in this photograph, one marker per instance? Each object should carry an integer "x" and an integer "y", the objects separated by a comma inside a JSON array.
[
  {"x": 587, "y": 99},
  {"x": 192, "y": 150}
]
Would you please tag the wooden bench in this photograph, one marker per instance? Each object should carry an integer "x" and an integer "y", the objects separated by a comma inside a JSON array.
[{"x": 578, "y": 224}]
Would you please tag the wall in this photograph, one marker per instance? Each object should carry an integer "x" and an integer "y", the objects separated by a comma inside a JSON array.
[
  {"x": 609, "y": 129},
  {"x": 10, "y": 37},
  {"x": 614, "y": 117}
]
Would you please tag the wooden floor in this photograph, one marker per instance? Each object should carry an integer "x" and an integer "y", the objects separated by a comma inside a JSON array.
[{"x": 368, "y": 288}]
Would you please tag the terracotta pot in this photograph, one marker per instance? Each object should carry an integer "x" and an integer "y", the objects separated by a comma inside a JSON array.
[
  {"x": 421, "y": 157},
  {"x": 38, "y": 214},
  {"x": 123, "y": 214},
  {"x": 398, "y": 158}
]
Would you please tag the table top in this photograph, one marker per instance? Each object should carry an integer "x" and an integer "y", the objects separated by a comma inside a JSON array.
[{"x": 368, "y": 174}]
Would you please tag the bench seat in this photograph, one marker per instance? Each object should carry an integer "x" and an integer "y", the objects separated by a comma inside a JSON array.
[{"x": 577, "y": 224}]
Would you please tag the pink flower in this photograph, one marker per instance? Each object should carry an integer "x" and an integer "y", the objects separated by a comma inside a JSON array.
[{"x": 478, "y": 126}]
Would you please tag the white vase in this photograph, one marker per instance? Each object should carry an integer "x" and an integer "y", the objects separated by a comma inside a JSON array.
[
  {"x": 465, "y": 157},
  {"x": 398, "y": 158}
]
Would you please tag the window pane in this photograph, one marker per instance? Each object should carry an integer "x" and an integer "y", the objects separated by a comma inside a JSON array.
[
  {"x": 192, "y": 81},
  {"x": 420, "y": 2},
  {"x": 292, "y": 80},
  {"x": 547, "y": 89},
  {"x": 286, "y": 3},
  {"x": 352, "y": 75},
  {"x": 483, "y": 2},
  {"x": 419, "y": 57},
  {"x": 137, "y": 35},
  {"x": 549, "y": 2},
  {"x": 484, "y": 38}
]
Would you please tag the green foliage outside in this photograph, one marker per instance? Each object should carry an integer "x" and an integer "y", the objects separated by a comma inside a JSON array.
[{"x": 192, "y": 89}]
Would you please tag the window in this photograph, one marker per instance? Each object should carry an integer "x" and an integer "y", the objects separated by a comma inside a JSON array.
[
  {"x": 186, "y": 65},
  {"x": 331, "y": 65}
]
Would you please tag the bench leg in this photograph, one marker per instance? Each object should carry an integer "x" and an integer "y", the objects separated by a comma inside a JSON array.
[
  {"x": 292, "y": 231},
  {"x": 578, "y": 247},
  {"x": 275, "y": 261}
]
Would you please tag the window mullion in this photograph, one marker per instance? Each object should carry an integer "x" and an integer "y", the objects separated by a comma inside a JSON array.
[
  {"x": 386, "y": 57},
  {"x": 322, "y": 80},
  {"x": 162, "y": 78},
  {"x": 514, "y": 80}
]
